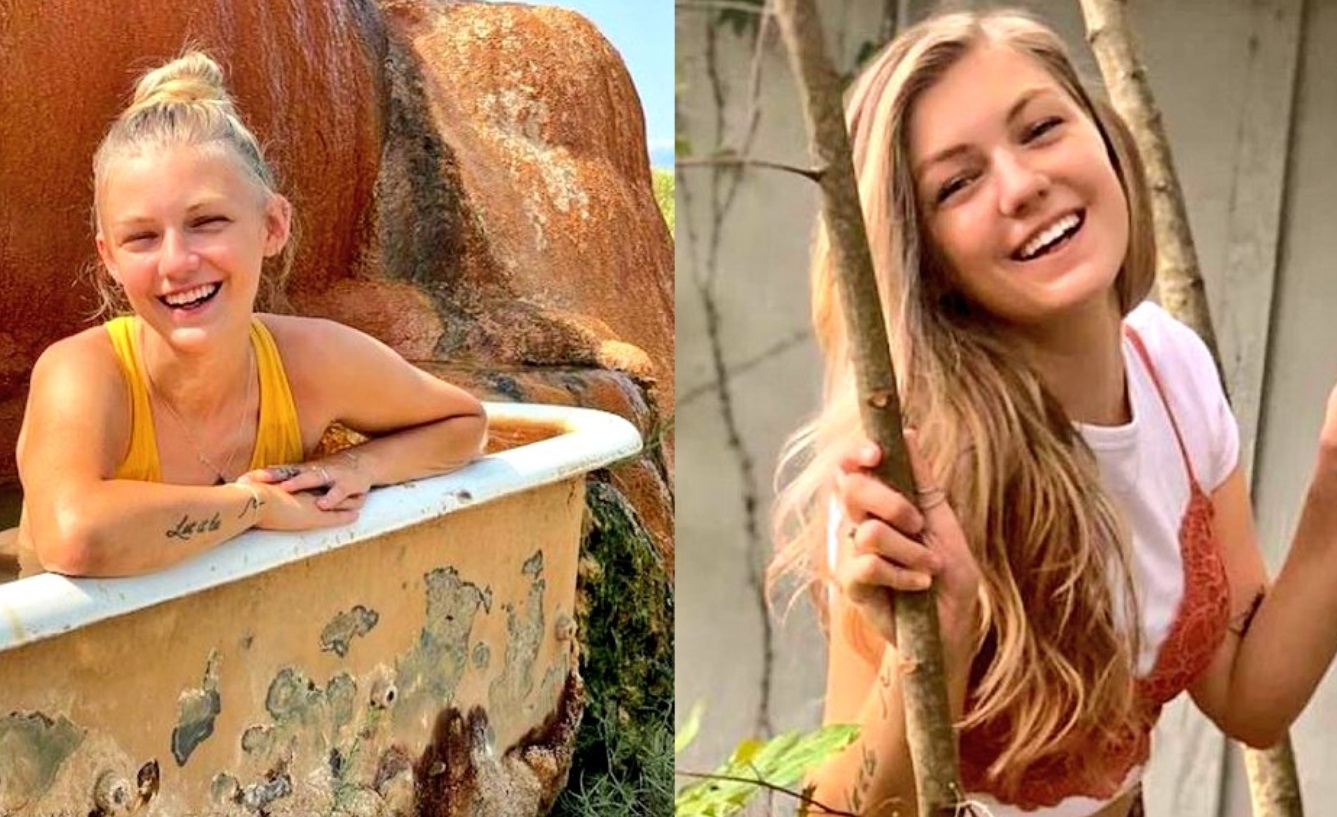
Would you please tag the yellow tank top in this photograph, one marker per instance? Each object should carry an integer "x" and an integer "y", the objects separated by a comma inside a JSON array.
[{"x": 277, "y": 440}]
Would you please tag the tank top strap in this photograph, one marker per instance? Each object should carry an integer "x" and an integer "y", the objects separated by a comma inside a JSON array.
[
  {"x": 1142, "y": 353},
  {"x": 141, "y": 460},
  {"x": 278, "y": 438}
]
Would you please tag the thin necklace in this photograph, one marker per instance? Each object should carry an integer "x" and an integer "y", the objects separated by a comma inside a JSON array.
[{"x": 190, "y": 438}]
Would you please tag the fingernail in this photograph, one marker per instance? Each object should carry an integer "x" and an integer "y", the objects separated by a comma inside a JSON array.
[
  {"x": 869, "y": 452},
  {"x": 922, "y": 582}
]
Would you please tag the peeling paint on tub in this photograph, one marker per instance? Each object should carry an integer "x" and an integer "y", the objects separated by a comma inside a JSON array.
[
  {"x": 32, "y": 748},
  {"x": 196, "y": 711},
  {"x": 525, "y": 633},
  {"x": 431, "y": 670},
  {"x": 346, "y": 626},
  {"x": 482, "y": 655}
]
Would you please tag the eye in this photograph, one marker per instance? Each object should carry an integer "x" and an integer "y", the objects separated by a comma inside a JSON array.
[
  {"x": 1040, "y": 128},
  {"x": 206, "y": 222},
  {"x": 138, "y": 239},
  {"x": 953, "y": 186}
]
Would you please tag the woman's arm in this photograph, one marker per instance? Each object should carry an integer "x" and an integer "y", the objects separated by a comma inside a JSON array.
[
  {"x": 874, "y": 772},
  {"x": 79, "y": 520},
  {"x": 420, "y": 425},
  {"x": 1282, "y": 639}
]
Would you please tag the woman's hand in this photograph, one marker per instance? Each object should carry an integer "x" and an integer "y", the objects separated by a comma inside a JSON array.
[
  {"x": 885, "y": 534},
  {"x": 337, "y": 482}
]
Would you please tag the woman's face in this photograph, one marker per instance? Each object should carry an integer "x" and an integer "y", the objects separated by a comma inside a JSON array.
[
  {"x": 1016, "y": 188},
  {"x": 184, "y": 230}
]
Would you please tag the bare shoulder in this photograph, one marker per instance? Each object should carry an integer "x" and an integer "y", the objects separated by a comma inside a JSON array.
[
  {"x": 85, "y": 361},
  {"x": 78, "y": 398},
  {"x": 304, "y": 342}
]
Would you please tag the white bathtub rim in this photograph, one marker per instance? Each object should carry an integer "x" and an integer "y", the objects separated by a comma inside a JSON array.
[{"x": 44, "y": 606}]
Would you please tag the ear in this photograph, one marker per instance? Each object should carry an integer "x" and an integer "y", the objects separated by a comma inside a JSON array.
[
  {"x": 104, "y": 254},
  {"x": 278, "y": 224}
]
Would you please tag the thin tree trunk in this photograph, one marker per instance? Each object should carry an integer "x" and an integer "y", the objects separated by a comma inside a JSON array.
[
  {"x": 929, "y": 729},
  {"x": 1273, "y": 782}
]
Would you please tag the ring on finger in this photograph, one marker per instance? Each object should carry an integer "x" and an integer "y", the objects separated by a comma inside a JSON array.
[
  {"x": 324, "y": 475},
  {"x": 931, "y": 497}
]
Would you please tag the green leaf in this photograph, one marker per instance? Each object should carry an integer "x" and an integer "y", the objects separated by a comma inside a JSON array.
[
  {"x": 782, "y": 761},
  {"x": 690, "y": 727}
]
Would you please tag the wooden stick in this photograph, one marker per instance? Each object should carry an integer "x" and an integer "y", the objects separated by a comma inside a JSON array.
[
  {"x": 1273, "y": 781},
  {"x": 928, "y": 722}
]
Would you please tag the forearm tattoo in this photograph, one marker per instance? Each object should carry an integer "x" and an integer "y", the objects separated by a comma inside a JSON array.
[
  {"x": 253, "y": 503},
  {"x": 1239, "y": 625},
  {"x": 187, "y": 527},
  {"x": 863, "y": 780}
]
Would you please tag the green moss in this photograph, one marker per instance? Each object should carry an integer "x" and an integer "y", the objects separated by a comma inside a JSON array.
[
  {"x": 623, "y": 763},
  {"x": 664, "y": 187}
]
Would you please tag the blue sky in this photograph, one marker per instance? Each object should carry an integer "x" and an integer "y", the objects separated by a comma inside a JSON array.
[{"x": 642, "y": 32}]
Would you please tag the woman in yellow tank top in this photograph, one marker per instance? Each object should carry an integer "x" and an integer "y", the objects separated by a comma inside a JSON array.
[{"x": 188, "y": 419}]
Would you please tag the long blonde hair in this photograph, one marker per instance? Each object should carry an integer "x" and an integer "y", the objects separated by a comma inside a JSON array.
[
  {"x": 1057, "y": 653},
  {"x": 185, "y": 102}
]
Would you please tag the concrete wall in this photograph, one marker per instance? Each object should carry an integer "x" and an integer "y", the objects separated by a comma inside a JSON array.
[{"x": 1251, "y": 132}]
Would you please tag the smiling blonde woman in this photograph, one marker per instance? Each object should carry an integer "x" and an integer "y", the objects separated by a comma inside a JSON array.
[
  {"x": 1087, "y": 522},
  {"x": 189, "y": 419}
]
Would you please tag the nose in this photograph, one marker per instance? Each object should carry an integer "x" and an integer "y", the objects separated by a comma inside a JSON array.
[
  {"x": 176, "y": 258},
  {"x": 1020, "y": 184}
]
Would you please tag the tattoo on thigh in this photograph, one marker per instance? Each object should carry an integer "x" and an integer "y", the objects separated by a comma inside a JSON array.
[{"x": 1240, "y": 623}]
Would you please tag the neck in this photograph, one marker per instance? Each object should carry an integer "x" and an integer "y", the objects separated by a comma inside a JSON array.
[
  {"x": 197, "y": 383},
  {"x": 1079, "y": 357}
]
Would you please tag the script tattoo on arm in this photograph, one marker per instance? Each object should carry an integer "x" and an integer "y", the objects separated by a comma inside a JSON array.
[
  {"x": 188, "y": 527},
  {"x": 1239, "y": 625}
]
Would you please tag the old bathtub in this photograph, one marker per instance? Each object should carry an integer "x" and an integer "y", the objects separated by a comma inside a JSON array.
[{"x": 420, "y": 661}]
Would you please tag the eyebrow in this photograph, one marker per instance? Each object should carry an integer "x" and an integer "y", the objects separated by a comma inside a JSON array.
[
  {"x": 956, "y": 150},
  {"x": 135, "y": 221}
]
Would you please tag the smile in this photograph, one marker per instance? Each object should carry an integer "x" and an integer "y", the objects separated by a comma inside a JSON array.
[
  {"x": 1051, "y": 237},
  {"x": 191, "y": 298}
]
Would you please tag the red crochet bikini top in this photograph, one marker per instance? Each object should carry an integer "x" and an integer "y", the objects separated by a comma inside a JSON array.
[{"x": 1197, "y": 631}]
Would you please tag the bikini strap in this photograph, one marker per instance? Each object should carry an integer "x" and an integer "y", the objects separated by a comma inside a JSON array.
[{"x": 1165, "y": 400}]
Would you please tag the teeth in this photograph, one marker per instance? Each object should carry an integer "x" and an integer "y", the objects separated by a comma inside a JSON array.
[
  {"x": 179, "y": 298},
  {"x": 1049, "y": 235}
]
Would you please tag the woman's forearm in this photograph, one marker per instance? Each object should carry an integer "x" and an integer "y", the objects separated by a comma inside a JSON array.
[
  {"x": 426, "y": 450},
  {"x": 1293, "y": 636},
  {"x": 875, "y": 772},
  {"x": 124, "y": 527}
]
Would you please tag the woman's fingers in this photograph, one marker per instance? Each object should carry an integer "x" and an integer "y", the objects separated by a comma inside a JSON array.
[
  {"x": 864, "y": 496},
  {"x": 867, "y": 578},
  {"x": 875, "y": 538},
  {"x": 859, "y": 455}
]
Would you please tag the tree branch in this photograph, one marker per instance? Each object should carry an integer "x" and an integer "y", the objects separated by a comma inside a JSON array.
[
  {"x": 928, "y": 722},
  {"x": 719, "y": 5},
  {"x": 766, "y": 784},
  {"x": 812, "y": 174},
  {"x": 1273, "y": 780}
]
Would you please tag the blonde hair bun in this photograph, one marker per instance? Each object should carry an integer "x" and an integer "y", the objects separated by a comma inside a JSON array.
[{"x": 192, "y": 78}]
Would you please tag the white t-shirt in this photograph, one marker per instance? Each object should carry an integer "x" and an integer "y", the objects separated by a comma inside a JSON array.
[{"x": 1143, "y": 472}]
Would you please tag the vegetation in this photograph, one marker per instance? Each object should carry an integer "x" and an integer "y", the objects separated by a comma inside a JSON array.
[
  {"x": 663, "y": 186},
  {"x": 623, "y": 764}
]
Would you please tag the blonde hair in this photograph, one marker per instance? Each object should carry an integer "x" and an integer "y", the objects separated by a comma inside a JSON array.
[
  {"x": 186, "y": 102},
  {"x": 1056, "y": 658}
]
